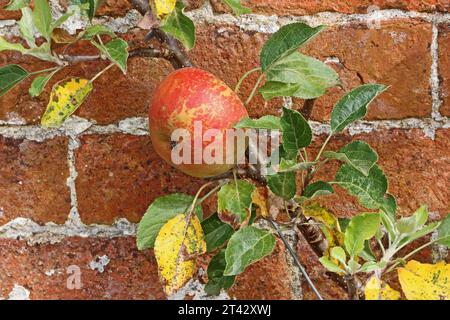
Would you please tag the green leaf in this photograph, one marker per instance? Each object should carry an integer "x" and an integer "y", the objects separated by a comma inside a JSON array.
[
  {"x": 367, "y": 253},
  {"x": 42, "y": 52},
  {"x": 26, "y": 26},
  {"x": 418, "y": 234},
  {"x": 216, "y": 232},
  {"x": 339, "y": 254},
  {"x": 97, "y": 30},
  {"x": 370, "y": 190},
  {"x": 11, "y": 75},
  {"x": 39, "y": 83},
  {"x": 390, "y": 206},
  {"x": 311, "y": 75},
  {"x": 93, "y": 7},
  {"x": 353, "y": 106},
  {"x": 237, "y": 7},
  {"x": 272, "y": 89},
  {"x": 216, "y": 280},
  {"x": 117, "y": 50},
  {"x": 265, "y": 122},
  {"x": 42, "y": 16},
  {"x": 319, "y": 188},
  {"x": 5, "y": 45},
  {"x": 17, "y": 4},
  {"x": 63, "y": 18},
  {"x": 330, "y": 265},
  {"x": 285, "y": 41},
  {"x": 444, "y": 231},
  {"x": 180, "y": 26},
  {"x": 357, "y": 154},
  {"x": 361, "y": 228},
  {"x": 283, "y": 184},
  {"x": 245, "y": 247},
  {"x": 371, "y": 266},
  {"x": 297, "y": 133},
  {"x": 235, "y": 198},
  {"x": 343, "y": 223},
  {"x": 288, "y": 165},
  {"x": 158, "y": 213},
  {"x": 407, "y": 225}
]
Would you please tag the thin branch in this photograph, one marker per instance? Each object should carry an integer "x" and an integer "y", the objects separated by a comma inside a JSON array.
[
  {"x": 296, "y": 260},
  {"x": 180, "y": 58}
]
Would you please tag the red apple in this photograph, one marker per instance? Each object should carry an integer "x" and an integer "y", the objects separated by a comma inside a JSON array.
[{"x": 189, "y": 98}]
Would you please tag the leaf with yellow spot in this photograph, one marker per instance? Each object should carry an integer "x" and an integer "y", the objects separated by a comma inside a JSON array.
[
  {"x": 377, "y": 289},
  {"x": 176, "y": 247},
  {"x": 421, "y": 281},
  {"x": 66, "y": 97},
  {"x": 163, "y": 8},
  {"x": 259, "y": 197}
]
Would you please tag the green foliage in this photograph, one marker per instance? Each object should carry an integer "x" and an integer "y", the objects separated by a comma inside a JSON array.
[
  {"x": 235, "y": 199},
  {"x": 245, "y": 247},
  {"x": 319, "y": 188},
  {"x": 158, "y": 213},
  {"x": 361, "y": 228},
  {"x": 237, "y": 7},
  {"x": 272, "y": 89},
  {"x": 283, "y": 184},
  {"x": 17, "y": 4},
  {"x": 353, "y": 106},
  {"x": 42, "y": 17},
  {"x": 10, "y": 76},
  {"x": 265, "y": 122},
  {"x": 216, "y": 232},
  {"x": 180, "y": 26},
  {"x": 358, "y": 154},
  {"x": 444, "y": 231},
  {"x": 297, "y": 133},
  {"x": 216, "y": 280}
]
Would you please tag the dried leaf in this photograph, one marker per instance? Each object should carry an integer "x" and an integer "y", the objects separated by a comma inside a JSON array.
[
  {"x": 377, "y": 289},
  {"x": 259, "y": 197},
  {"x": 176, "y": 247},
  {"x": 62, "y": 36},
  {"x": 421, "y": 281},
  {"x": 66, "y": 97}
]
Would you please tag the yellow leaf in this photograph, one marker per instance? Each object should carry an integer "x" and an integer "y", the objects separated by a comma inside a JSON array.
[
  {"x": 259, "y": 197},
  {"x": 176, "y": 247},
  {"x": 320, "y": 214},
  {"x": 65, "y": 98},
  {"x": 421, "y": 281},
  {"x": 62, "y": 36},
  {"x": 377, "y": 289},
  {"x": 162, "y": 8}
]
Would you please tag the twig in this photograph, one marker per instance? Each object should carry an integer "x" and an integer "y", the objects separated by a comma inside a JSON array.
[
  {"x": 296, "y": 260},
  {"x": 180, "y": 58}
]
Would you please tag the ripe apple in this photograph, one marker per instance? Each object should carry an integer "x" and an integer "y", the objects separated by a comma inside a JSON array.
[{"x": 194, "y": 101}]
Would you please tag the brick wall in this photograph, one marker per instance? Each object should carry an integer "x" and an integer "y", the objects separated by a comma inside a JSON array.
[{"x": 72, "y": 197}]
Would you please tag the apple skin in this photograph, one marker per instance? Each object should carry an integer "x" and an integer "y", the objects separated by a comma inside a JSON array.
[{"x": 185, "y": 96}]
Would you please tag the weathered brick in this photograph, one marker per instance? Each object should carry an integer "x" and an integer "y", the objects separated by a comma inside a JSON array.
[
  {"x": 295, "y": 7},
  {"x": 397, "y": 55},
  {"x": 33, "y": 180},
  {"x": 444, "y": 67},
  {"x": 228, "y": 52},
  {"x": 120, "y": 175},
  {"x": 269, "y": 278},
  {"x": 104, "y": 104},
  {"x": 6, "y": 14},
  {"x": 43, "y": 269},
  {"x": 417, "y": 169}
]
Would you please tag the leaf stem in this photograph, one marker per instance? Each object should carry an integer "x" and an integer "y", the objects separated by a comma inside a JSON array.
[
  {"x": 238, "y": 85},
  {"x": 101, "y": 72},
  {"x": 323, "y": 147},
  {"x": 252, "y": 94},
  {"x": 44, "y": 70}
]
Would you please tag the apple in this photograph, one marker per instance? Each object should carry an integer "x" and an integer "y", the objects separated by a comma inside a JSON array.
[{"x": 197, "y": 104}]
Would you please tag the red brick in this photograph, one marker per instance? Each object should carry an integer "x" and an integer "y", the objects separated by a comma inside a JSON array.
[
  {"x": 6, "y": 14},
  {"x": 228, "y": 52},
  {"x": 130, "y": 274},
  {"x": 396, "y": 55},
  {"x": 33, "y": 180},
  {"x": 295, "y": 7},
  {"x": 268, "y": 279},
  {"x": 417, "y": 169},
  {"x": 115, "y": 96},
  {"x": 444, "y": 67},
  {"x": 120, "y": 175}
]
